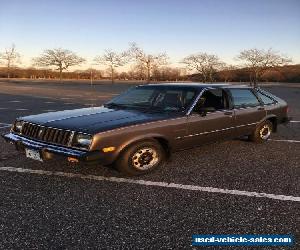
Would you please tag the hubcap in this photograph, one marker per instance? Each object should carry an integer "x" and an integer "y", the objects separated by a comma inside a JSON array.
[
  {"x": 144, "y": 158},
  {"x": 265, "y": 132}
]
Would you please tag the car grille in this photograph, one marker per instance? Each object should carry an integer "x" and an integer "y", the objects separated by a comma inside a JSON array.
[{"x": 46, "y": 134}]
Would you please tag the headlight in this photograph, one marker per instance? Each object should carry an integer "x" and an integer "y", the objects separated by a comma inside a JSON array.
[
  {"x": 83, "y": 141},
  {"x": 18, "y": 126}
]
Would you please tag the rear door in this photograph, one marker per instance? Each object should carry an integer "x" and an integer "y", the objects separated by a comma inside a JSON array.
[{"x": 248, "y": 110}]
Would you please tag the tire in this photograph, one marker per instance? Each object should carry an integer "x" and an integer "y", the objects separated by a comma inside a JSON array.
[
  {"x": 141, "y": 158},
  {"x": 262, "y": 132}
]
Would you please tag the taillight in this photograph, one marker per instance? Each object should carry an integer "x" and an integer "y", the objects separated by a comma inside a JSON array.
[{"x": 287, "y": 109}]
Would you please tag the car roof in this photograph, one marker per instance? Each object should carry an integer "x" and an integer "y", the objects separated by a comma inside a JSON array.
[{"x": 198, "y": 85}]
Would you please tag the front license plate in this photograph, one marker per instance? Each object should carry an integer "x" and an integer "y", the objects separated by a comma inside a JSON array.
[{"x": 33, "y": 154}]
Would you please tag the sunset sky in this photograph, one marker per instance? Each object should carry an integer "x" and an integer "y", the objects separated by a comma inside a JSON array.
[{"x": 177, "y": 27}]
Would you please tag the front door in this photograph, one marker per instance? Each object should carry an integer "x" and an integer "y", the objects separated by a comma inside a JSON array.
[{"x": 211, "y": 119}]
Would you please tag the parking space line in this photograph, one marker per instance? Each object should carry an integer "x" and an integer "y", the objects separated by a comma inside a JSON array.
[
  {"x": 5, "y": 126},
  {"x": 295, "y": 121},
  {"x": 21, "y": 109},
  {"x": 154, "y": 184},
  {"x": 281, "y": 140},
  {"x": 3, "y": 123}
]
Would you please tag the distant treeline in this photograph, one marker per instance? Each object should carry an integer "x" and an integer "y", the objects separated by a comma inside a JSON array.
[
  {"x": 159, "y": 74},
  {"x": 254, "y": 65},
  {"x": 288, "y": 73}
]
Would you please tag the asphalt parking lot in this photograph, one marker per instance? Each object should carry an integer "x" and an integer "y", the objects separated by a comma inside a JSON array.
[{"x": 232, "y": 187}]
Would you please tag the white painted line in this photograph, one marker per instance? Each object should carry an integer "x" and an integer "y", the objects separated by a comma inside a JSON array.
[
  {"x": 295, "y": 121},
  {"x": 3, "y": 123},
  {"x": 15, "y": 101},
  {"x": 43, "y": 97},
  {"x": 6, "y": 126},
  {"x": 292, "y": 141},
  {"x": 154, "y": 184},
  {"x": 3, "y": 108},
  {"x": 65, "y": 98},
  {"x": 49, "y": 102},
  {"x": 21, "y": 109}
]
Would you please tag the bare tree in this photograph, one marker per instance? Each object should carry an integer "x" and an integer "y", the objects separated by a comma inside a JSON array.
[
  {"x": 147, "y": 60},
  {"x": 259, "y": 60},
  {"x": 60, "y": 58},
  {"x": 166, "y": 74},
  {"x": 10, "y": 56},
  {"x": 203, "y": 63},
  {"x": 113, "y": 60},
  {"x": 227, "y": 72},
  {"x": 138, "y": 72}
]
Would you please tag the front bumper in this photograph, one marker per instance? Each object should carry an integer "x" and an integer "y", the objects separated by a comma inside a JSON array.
[{"x": 49, "y": 151}]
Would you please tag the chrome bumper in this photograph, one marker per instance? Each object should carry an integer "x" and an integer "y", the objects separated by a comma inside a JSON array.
[{"x": 22, "y": 142}]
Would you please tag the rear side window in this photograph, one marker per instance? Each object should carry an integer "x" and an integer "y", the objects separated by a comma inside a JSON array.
[
  {"x": 243, "y": 98},
  {"x": 265, "y": 99}
]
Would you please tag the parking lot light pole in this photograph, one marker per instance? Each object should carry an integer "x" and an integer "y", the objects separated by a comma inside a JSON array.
[{"x": 91, "y": 80}]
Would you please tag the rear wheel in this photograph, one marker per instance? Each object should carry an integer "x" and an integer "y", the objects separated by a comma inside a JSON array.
[
  {"x": 141, "y": 158},
  {"x": 262, "y": 132}
]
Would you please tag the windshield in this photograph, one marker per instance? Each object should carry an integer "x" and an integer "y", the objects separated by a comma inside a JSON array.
[{"x": 160, "y": 98}]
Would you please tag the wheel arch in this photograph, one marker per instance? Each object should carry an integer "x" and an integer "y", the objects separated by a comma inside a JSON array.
[
  {"x": 274, "y": 120},
  {"x": 164, "y": 142}
]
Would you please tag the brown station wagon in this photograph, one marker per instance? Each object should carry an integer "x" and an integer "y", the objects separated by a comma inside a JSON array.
[{"x": 139, "y": 129}]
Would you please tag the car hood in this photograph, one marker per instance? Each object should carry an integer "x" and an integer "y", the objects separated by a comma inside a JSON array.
[{"x": 95, "y": 119}]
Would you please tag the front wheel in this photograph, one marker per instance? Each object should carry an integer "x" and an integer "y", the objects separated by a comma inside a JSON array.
[
  {"x": 262, "y": 132},
  {"x": 141, "y": 158}
]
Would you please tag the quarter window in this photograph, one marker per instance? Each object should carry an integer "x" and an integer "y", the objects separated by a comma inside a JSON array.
[{"x": 244, "y": 98}]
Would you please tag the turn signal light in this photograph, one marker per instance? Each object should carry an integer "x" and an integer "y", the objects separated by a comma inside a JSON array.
[
  {"x": 109, "y": 149},
  {"x": 71, "y": 159}
]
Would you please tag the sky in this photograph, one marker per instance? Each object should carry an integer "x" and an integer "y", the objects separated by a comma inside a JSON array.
[{"x": 177, "y": 27}]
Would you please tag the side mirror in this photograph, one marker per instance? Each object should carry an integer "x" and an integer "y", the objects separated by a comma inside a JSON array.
[{"x": 203, "y": 111}]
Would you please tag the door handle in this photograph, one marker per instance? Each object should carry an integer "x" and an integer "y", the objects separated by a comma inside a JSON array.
[
  {"x": 261, "y": 108},
  {"x": 228, "y": 113}
]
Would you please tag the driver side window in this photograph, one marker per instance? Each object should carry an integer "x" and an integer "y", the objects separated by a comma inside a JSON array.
[{"x": 212, "y": 100}]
